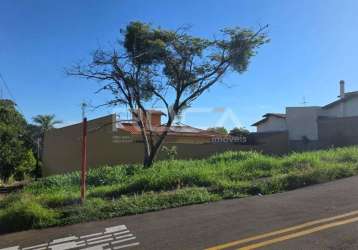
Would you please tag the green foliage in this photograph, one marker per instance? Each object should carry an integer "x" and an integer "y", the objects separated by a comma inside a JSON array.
[
  {"x": 156, "y": 201},
  {"x": 25, "y": 214},
  {"x": 219, "y": 130},
  {"x": 239, "y": 132},
  {"x": 26, "y": 167},
  {"x": 97, "y": 208},
  {"x": 141, "y": 39},
  {"x": 45, "y": 122},
  {"x": 33, "y": 133},
  {"x": 131, "y": 189},
  {"x": 36, "y": 131},
  {"x": 242, "y": 46},
  {"x": 170, "y": 152},
  {"x": 35, "y": 141},
  {"x": 15, "y": 156}
]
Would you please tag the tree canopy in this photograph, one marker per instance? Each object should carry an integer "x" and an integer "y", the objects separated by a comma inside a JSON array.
[
  {"x": 173, "y": 68},
  {"x": 16, "y": 159},
  {"x": 239, "y": 132},
  {"x": 45, "y": 122},
  {"x": 219, "y": 130}
]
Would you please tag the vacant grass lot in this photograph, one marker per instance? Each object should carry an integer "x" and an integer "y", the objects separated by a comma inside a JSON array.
[{"x": 124, "y": 190}]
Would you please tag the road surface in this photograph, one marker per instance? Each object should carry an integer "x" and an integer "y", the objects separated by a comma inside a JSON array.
[{"x": 317, "y": 217}]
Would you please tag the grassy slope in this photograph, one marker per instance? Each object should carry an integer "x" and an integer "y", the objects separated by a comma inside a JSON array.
[{"x": 123, "y": 190}]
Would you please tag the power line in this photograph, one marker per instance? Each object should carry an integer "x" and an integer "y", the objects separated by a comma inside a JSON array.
[
  {"x": 7, "y": 87},
  {"x": 10, "y": 93}
]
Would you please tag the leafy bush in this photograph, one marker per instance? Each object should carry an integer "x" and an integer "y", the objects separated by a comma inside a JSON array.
[
  {"x": 170, "y": 152},
  {"x": 26, "y": 166},
  {"x": 16, "y": 157},
  {"x": 25, "y": 214}
]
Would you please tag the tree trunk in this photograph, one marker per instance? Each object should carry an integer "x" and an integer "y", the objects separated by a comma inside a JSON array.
[
  {"x": 154, "y": 149},
  {"x": 148, "y": 160}
]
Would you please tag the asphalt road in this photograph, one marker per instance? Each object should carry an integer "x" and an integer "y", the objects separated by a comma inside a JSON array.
[{"x": 317, "y": 217}]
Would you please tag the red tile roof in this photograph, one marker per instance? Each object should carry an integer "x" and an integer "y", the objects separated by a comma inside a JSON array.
[
  {"x": 152, "y": 111},
  {"x": 176, "y": 130}
]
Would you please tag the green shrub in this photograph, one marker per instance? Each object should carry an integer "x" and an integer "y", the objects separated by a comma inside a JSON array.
[
  {"x": 9, "y": 199},
  {"x": 26, "y": 166},
  {"x": 26, "y": 214},
  {"x": 54, "y": 183}
]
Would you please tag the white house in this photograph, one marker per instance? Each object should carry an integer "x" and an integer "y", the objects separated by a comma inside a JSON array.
[
  {"x": 302, "y": 123},
  {"x": 272, "y": 122}
]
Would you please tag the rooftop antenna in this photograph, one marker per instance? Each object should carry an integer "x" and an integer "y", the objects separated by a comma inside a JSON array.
[{"x": 304, "y": 101}]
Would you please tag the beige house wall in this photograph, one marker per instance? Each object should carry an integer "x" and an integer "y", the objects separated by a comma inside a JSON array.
[
  {"x": 302, "y": 122},
  {"x": 272, "y": 124},
  {"x": 107, "y": 146},
  {"x": 346, "y": 108}
]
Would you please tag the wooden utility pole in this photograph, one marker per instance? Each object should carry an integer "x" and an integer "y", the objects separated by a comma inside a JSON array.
[{"x": 84, "y": 154}]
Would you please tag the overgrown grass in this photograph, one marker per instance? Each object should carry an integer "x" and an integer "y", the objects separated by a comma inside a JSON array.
[{"x": 131, "y": 189}]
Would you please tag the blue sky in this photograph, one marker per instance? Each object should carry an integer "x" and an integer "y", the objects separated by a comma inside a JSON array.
[{"x": 313, "y": 45}]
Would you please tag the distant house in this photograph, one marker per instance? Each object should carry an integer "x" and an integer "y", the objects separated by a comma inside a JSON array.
[
  {"x": 317, "y": 126},
  {"x": 271, "y": 122},
  {"x": 179, "y": 133}
]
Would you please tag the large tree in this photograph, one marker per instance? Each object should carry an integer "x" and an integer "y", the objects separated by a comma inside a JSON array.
[
  {"x": 173, "y": 68},
  {"x": 16, "y": 157}
]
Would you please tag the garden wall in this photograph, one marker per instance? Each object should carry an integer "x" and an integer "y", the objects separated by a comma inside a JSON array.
[
  {"x": 107, "y": 146},
  {"x": 337, "y": 132}
]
